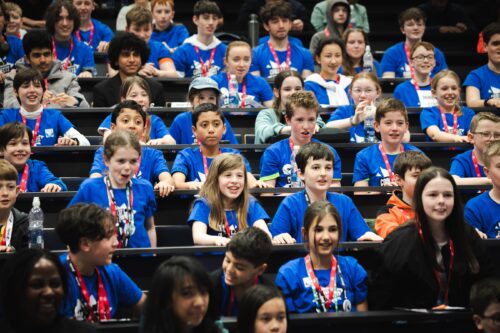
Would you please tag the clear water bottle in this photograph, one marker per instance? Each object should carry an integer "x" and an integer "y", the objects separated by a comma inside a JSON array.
[
  {"x": 294, "y": 175},
  {"x": 368, "y": 60},
  {"x": 368, "y": 124},
  {"x": 233, "y": 92},
  {"x": 253, "y": 30},
  {"x": 35, "y": 227}
]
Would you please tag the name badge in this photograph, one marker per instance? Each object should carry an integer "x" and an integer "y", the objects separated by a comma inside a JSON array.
[{"x": 426, "y": 99}]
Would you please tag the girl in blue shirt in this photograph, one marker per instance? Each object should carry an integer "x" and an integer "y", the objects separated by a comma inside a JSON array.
[
  {"x": 165, "y": 30},
  {"x": 356, "y": 41},
  {"x": 224, "y": 206},
  {"x": 364, "y": 90},
  {"x": 252, "y": 91},
  {"x": 131, "y": 200},
  {"x": 322, "y": 282}
]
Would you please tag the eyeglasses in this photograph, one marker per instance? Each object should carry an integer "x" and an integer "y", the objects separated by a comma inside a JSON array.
[
  {"x": 429, "y": 57},
  {"x": 366, "y": 91},
  {"x": 488, "y": 135},
  {"x": 495, "y": 318}
]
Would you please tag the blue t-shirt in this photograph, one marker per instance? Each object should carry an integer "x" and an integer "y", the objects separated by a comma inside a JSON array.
[
  {"x": 81, "y": 57},
  {"x": 120, "y": 290},
  {"x": 486, "y": 81},
  {"x": 93, "y": 190},
  {"x": 291, "y": 39},
  {"x": 407, "y": 94},
  {"x": 357, "y": 133},
  {"x": 173, "y": 36},
  {"x": 394, "y": 60},
  {"x": 201, "y": 211},
  {"x": 102, "y": 33},
  {"x": 297, "y": 288},
  {"x": 257, "y": 89},
  {"x": 263, "y": 60},
  {"x": 483, "y": 213},
  {"x": 275, "y": 163},
  {"x": 152, "y": 164},
  {"x": 462, "y": 165},
  {"x": 359, "y": 69},
  {"x": 369, "y": 165},
  {"x": 39, "y": 175},
  {"x": 290, "y": 216},
  {"x": 432, "y": 117},
  {"x": 157, "y": 52},
  {"x": 16, "y": 52},
  {"x": 187, "y": 62},
  {"x": 158, "y": 128},
  {"x": 181, "y": 130},
  {"x": 52, "y": 125},
  {"x": 189, "y": 162}
]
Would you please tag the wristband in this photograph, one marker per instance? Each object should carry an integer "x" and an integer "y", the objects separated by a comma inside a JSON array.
[
  {"x": 351, "y": 120},
  {"x": 486, "y": 102}
]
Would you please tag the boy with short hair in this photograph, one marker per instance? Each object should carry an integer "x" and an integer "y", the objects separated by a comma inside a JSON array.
[
  {"x": 13, "y": 223},
  {"x": 485, "y": 304},
  {"x": 92, "y": 32},
  {"x": 201, "y": 54},
  {"x": 483, "y": 211},
  {"x": 315, "y": 167},
  {"x": 191, "y": 164},
  {"x": 129, "y": 116},
  {"x": 407, "y": 168},
  {"x": 301, "y": 112},
  {"x": 97, "y": 288},
  {"x": 396, "y": 62},
  {"x": 159, "y": 64},
  {"x": 467, "y": 167},
  {"x": 373, "y": 165},
  {"x": 278, "y": 54},
  {"x": 483, "y": 84},
  {"x": 166, "y": 31},
  {"x": 244, "y": 264},
  {"x": 15, "y": 13}
]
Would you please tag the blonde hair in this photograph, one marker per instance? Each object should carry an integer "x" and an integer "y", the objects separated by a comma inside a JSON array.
[
  {"x": 237, "y": 43},
  {"x": 441, "y": 75},
  {"x": 493, "y": 149},
  {"x": 211, "y": 191},
  {"x": 369, "y": 76},
  {"x": 483, "y": 116}
]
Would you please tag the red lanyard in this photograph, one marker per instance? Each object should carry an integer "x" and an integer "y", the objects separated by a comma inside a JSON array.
[
  {"x": 37, "y": 127},
  {"x": 327, "y": 32},
  {"x": 275, "y": 56},
  {"x": 412, "y": 71},
  {"x": 290, "y": 143},
  {"x": 476, "y": 165},
  {"x": 315, "y": 282},
  {"x": 202, "y": 63},
  {"x": 243, "y": 89},
  {"x": 91, "y": 34},
  {"x": 7, "y": 231},
  {"x": 103, "y": 308},
  {"x": 232, "y": 298},
  {"x": 54, "y": 52},
  {"x": 124, "y": 228},
  {"x": 205, "y": 163},
  {"x": 386, "y": 160},
  {"x": 24, "y": 178},
  {"x": 226, "y": 226},
  {"x": 445, "y": 123}
]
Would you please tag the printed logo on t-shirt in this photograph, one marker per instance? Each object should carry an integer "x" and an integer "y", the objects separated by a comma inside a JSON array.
[
  {"x": 201, "y": 177},
  {"x": 406, "y": 71},
  {"x": 385, "y": 179},
  {"x": 122, "y": 214},
  {"x": 497, "y": 229},
  {"x": 72, "y": 67},
  {"x": 4, "y": 66},
  {"x": 494, "y": 92},
  {"x": 222, "y": 230},
  {"x": 197, "y": 71},
  {"x": 307, "y": 282},
  {"x": 275, "y": 69},
  {"x": 49, "y": 132}
]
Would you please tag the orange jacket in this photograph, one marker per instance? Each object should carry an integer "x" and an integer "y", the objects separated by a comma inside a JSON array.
[{"x": 391, "y": 216}]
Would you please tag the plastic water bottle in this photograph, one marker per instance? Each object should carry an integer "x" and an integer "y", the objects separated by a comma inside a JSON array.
[
  {"x": 253, "y": 30},
  {"x": 368, "y": 60},
  {"x": 35, "y": 227},
  {"x": 294, "y": 175},
  {"x": 368, "y": 124},
  {"x": 233, "y": 92}
]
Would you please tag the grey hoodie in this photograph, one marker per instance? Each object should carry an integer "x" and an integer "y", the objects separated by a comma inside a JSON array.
[
  {"x": 320, "y": 35},
  {"x": 59, "y": 81}
]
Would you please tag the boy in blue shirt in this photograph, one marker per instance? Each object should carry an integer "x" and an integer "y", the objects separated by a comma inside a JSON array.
[
  {"x": 33, "y": 175},
  {"x": 396, "y": 60},
  {"x": 191, "y": 164},
  {"x": 129, "y": 116},
  {"x": 483, "y": 84},
  {"x": 373, "y": 165},
  {"x": 92, "y": 32},
  {"x": 201, "y": 54},
  {"x": 97, "y": 288},
  {"x": 301, "y": 112},
  {"x": 483, "y": 211},
  {"x": 278, "y": 53},
  {"x": 159, "y": 64},
  {"x": 315, "y": 168},
  {"x": 170, "y": 34},
  {"x": 467, "y": 167},
  {"x": 62, "y": 20}
]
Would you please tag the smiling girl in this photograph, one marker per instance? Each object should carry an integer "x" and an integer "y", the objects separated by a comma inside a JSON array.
[{"x": 356, "y": 41}]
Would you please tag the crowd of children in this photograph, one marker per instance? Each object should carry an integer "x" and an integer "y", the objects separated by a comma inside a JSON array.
[{"x": 429, "y": 240}]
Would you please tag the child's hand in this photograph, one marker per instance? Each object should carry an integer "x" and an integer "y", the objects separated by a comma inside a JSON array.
[
  {"x": 481, "y": 234},
  {"x": 370, "y": 236},
  {"x": 85, "y": 74},
  {"x": 148, "y": 70},
  {"x": 103, "y": 47},
  {"x": 461, "y": 138},
  {"x": 221, "y": 241},
  {"x": 194, "y": 185},
  {"x": 7, "y": 249},
  {"x": 261, "y": 184},
  {"x": 359, "y": 113},
  {"x": 65, "y": 141},
  {"x": 51, "y": 188},
  {"x": 64, "y": 100},
  {"x": 164, "y": 188},
  {"x": 284, "y": 238}
]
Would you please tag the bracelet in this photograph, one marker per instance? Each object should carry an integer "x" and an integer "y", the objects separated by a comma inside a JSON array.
[{"x": 351, "y": 120}]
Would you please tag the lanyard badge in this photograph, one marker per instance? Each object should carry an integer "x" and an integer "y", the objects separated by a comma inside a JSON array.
[{"x": 125, "y": 226}]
